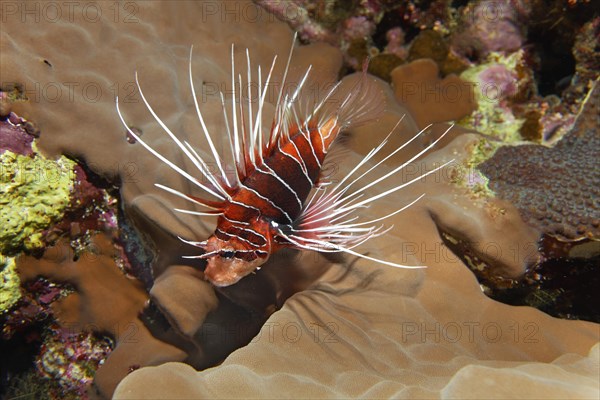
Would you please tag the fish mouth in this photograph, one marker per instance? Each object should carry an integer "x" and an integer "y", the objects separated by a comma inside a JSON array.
[
  {"x": 221, "y": 279},
  {"x": 223, "y": 283}
]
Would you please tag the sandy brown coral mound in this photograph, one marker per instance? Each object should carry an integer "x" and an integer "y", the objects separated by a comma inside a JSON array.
[
  {"x": 105, "y": 299},
  {"x": 371, "y": 331},
  {"x": 557, "y": 190},
  {"x": 428, "y": 98},
  {"x": 572, "y": 376}
]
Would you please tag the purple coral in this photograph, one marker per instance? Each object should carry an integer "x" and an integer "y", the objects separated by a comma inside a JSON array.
[
  {"x": 358, "y": 28},
  {"x": 395, "y": 43},
  {"x": 14, "y": 137},
  {"x": 296, "y": 15},
  {"x": 492, "y": 26},
  {"x": 498, "y": 82},
  {"x": 338, "y": 24}
]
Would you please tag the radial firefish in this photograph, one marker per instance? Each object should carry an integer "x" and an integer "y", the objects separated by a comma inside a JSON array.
[{"x": 278, "y": 196}]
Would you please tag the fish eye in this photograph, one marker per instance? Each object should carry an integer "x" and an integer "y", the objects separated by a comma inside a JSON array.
[{"x": 227, "y": 253}]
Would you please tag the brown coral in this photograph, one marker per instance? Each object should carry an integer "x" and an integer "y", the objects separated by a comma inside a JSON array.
[
  {"x": 557, "y": 190},
  {"x": 367, "y": 330},
  {"x": 371, "y": 312},
  {"x": 428, "y": 98}
]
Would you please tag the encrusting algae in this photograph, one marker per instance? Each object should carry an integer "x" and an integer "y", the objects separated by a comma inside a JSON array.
[
  {"x": 10, "y": 282},
  {"x": 34, "y": 193},
  {"x": 496, "y": 82}
]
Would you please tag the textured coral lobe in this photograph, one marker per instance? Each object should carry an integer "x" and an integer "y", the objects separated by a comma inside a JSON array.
[
  {"x": 34, "y": 191},
  {"x": 557, "y": 189}
]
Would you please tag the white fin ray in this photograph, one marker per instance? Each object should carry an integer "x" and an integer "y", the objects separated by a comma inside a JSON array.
[
  {"x": 249, "y": 89},
  {"x": 328, "y": 219},
  {"x": 171, "y": 134},
  {"x": 165, "y": 160},
  {"x": 192, "y": 242},
  {"x": 238, "y": 154},
  {"x": 244, "y": 133},
  {"x": 399, "y": 168},
  {"x": 328, "y": 247},
  {"x": 328, "y": 222},
  {"x": 215, "y": 154},
  {"x": 184, "y": 196},
  {"x": 206, "y": 172},
  {"x": 280, "y": 110},
  {"x": 198, "y": 213},
  {"x": 344, "y": 226},
  {"x": 337, "y": 203}
]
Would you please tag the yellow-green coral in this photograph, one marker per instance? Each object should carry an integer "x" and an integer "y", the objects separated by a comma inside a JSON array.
[
  {"x": 34, "y": 193},
  {"x": 467, "y": 174},
  {"x": 10, "y": 291},
  {"x": 492, "y": 117}
]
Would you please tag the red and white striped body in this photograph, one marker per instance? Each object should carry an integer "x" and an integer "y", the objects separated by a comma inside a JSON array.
[
  {"x": 276, "y": 198},
  {"x": 270, "y": 197}
]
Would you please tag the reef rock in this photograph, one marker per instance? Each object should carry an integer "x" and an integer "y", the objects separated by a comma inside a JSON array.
[
  {"x": 557, "y": 189},
  {"x": 344, "y": 328},
  {"x": 367, "y": 330}
]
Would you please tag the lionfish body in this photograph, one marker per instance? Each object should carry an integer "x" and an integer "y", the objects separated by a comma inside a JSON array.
[
  {"x": 278, "y": 197},
  {"x": 268, "y": 199}
]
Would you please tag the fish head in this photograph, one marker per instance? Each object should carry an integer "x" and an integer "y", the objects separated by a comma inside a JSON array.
[{"x": 230, "y": 261}]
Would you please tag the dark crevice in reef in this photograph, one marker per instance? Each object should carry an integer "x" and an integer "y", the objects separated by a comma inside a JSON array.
[
  {"x": 563, "y": 284},
  {"x": 17, "y": 361},
  {"x": 98, "y": 181},
  {"x": 563, "y": 288},
  {"x": 138, "y": 252},
  {"x": 225, "y": 331},
  {"x": 553, "y": 37}
]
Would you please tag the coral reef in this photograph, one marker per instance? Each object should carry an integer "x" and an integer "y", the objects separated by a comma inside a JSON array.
[
  {"x": 433, "y": 45},
  {"x": 104, "y": 300},
  {"x": 496, "y": 84},
  {"x": 556, "y": 189},
  {"x": 554, "y": 30},
  {"x": 10, "y": 291},
  {"x": 372, "y": 331},
  {"x": 35, "y": 193},
  {"x": 467, "y": 175},
  {"x": 429, "y": 44},
  {"x": 44, "y": 200},
  {"x": 491, "y": 26},
  {"x": 14, "y": 136},
  {"x": 70, "y": 360},
  {"x": 372, "y": 28},
  {"x": 586, "y": 52},
  {"x": 428, "y": 98},
  {"x": 348, "y": 25},
  {"x": 306, "y": 325}
]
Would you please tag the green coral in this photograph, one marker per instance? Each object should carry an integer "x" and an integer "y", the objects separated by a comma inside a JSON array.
[
  {"x": 492, "y": 117},
  {"x": 467, "y": 174},
  {"x": 10, "y": 291},
  {"x": 34, "y": 193}
]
